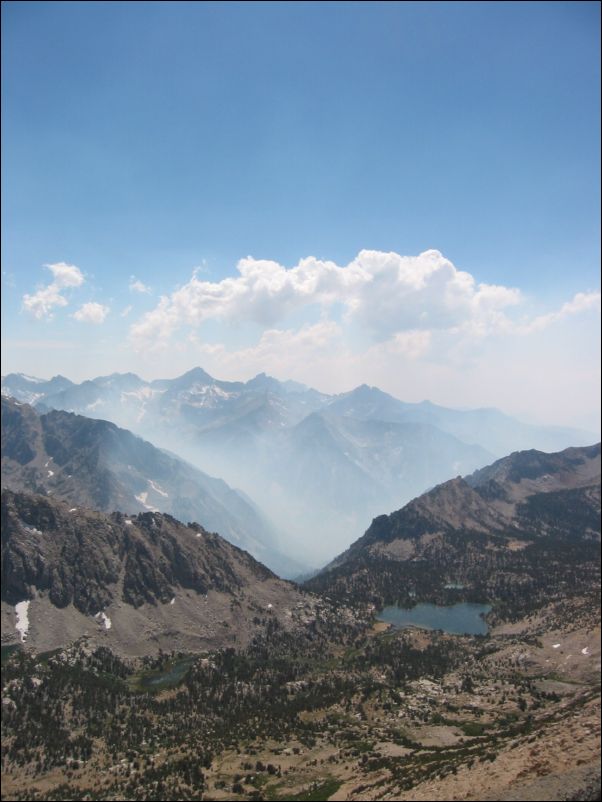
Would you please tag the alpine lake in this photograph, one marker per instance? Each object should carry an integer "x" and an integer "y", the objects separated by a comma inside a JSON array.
[{"x": 457, "y": 619}]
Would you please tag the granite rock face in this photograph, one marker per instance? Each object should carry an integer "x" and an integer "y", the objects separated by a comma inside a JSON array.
[{"x": 152, "y": 580}]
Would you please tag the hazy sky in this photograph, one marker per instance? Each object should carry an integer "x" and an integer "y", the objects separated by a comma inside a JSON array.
[{"x": 400, "y": 194}]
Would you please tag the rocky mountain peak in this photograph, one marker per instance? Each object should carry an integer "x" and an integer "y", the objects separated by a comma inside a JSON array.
[
  {"x": 75, "y": 564},
  {"x": 524, "y": 512},
  {"x": 94, "y": 463}
]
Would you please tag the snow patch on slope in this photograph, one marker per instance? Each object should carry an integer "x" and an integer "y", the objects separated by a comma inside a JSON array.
[
  {"x": 142, "y": 499},
  {"x": 157, "y": 488},
  {"x": 104, "y": 618},
  {"x": 22, "y": 625}
]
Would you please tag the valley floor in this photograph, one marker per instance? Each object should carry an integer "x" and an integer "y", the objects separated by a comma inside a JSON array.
[{"x": 368, "y": 714}]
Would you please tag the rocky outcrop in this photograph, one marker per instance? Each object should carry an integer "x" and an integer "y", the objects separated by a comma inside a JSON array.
[
  {"x": 154, "y": 579},
  {"x": 517, "y": 533},
  {"x": 80, "y": 557}
]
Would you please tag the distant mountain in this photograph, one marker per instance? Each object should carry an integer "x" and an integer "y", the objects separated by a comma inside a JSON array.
[
  {"x": 491, "y": 429},
  {"x": 196, "y": 400},
  {"x": 519, "y": 533},
  {"x": 321, "y": 466},
  {"x": 336, "y": 473},
  {"x": 29, "y": 390},
  {"x": 134, "y": 583},
  {"x": 95, "y": 464}
]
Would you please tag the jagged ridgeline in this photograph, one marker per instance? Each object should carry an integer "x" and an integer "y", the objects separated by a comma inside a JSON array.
[
  {"x": 297, "y": 695},
  {"x": 521, "y": 533},
  {"x": 321, "y": 466},
  {"x": 134, "y": 583},
  {"x": 94, "y": 463}
]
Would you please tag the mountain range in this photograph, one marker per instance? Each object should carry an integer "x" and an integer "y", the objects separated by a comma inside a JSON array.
[
  {"x": 134, "y": 645},
  {"x": 519, "y": 532},
  {"x": 94, "y": 463},
  {"x": 133, "y": 583},
  {"x": 320, "y": 466}
]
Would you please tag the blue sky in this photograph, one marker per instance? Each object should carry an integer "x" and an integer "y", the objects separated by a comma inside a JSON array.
[{"x": 144, "y": 140}]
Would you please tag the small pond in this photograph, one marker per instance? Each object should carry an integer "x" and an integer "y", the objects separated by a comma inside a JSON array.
[
  {"x": 457, "y": 619},
  {"x": 168, "y": 677}
]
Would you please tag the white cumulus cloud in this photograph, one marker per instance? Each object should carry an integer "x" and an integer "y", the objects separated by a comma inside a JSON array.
[
  {"x": 138, "y": 286},
  {"x": 581, "y": 302},
  {"x": 91, "y": 313},
  {"x": 66, "y": 275},
  {"x": 382, "y": 293},
  {"x": 410, "y": 324},
  {"x": 41, "y": 303},
  {"x": 284, "y": 352}
]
